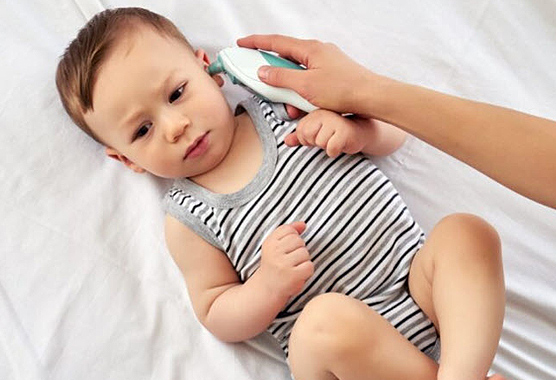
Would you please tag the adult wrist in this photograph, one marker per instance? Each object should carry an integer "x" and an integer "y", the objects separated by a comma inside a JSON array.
[{"x": 372, "y": 97}]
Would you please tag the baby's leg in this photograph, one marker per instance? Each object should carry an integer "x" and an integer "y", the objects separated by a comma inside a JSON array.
[
  {"x": 457, "y": 279},
  {"x": 338, "y": 337}
]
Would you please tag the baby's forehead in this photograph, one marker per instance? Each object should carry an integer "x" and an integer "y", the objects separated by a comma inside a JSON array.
[
  {"x": 122, "y": 45},
  {"x": 138, "y": 63},
  {"x": 134, "y": 38}
]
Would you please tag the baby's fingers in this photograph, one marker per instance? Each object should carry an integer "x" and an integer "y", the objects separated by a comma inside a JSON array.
[
  {"x": 335, "y": 145},
  {"x": 291, "y": 243},
  {"x": 291, "y": 139},
  {"x": 307, "y": 131},
  {"x": 305, "y": 269},
  {"x": 323, "y": 137},
  {"x": 299, "y": 256}
]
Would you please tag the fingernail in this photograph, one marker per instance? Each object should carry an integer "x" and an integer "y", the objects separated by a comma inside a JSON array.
[{"x": 263, "y": 72}]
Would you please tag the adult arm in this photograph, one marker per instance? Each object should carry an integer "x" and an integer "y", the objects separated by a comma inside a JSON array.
[{"x": 516, "y": 149}]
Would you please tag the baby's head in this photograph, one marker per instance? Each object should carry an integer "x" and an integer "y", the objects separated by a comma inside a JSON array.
[{"x": 133, "y": 83}]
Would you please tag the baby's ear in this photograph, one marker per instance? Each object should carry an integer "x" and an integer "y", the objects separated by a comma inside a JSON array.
[
  {"x": 203, "y": 58},
  {"x": 114, "y": 154}
]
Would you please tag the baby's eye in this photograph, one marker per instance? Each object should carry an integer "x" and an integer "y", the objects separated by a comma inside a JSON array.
[
  {"x": 176, "y": 94},
  {"x": 143, "y": 130}
]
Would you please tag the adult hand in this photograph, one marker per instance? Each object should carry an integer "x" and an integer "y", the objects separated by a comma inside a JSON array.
[
  {"x": 332, "y": 79},
  {"x": 476, "y": 133}
]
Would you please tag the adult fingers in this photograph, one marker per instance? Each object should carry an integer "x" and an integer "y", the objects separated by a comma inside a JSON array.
[
  {"x": 281, "y": 77},
  {"x": 283, "y": 45},
  {"x": 294, "y": 112}
]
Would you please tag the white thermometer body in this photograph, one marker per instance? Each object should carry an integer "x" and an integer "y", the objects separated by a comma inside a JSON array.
[{"x": 241, "y": 65}]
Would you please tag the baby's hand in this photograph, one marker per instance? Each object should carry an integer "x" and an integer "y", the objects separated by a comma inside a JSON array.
[
  {"x": 329, "y": 131},
  {"x": 285, "y": 261}
]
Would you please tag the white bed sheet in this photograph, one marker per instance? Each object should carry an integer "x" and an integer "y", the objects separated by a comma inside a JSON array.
[{"x": 87, "y": 288}]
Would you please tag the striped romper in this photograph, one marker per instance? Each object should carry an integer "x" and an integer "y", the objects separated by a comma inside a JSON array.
[{"x": 360, "y": 235}]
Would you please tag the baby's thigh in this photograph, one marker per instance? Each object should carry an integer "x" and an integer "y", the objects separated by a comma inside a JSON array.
[
  {"x": 334, "y": 325},
  {"x": 337, "y": 334}
]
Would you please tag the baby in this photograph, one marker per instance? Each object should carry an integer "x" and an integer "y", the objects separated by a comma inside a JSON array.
[{"x": 285, "y": 225}]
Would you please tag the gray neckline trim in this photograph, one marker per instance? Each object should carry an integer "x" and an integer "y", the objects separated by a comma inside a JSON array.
[{"x": 263, "y": 176}]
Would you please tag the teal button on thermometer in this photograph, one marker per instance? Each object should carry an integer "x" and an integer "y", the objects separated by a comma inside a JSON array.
[{"x": 241, "y": 65}]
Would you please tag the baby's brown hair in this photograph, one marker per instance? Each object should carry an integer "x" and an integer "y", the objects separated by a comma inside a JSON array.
[{"x": 79, "y": 65}]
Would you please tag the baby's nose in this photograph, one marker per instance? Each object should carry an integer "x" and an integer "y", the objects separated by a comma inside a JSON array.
[{"x": 176, "y": 127}]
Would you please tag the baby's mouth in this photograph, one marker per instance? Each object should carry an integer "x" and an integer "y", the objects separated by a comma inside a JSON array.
[{"x": 195, "y": 148}]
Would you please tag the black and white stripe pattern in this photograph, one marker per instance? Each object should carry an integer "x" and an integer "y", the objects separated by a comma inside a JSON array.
[{"x": 359, "y": 232}]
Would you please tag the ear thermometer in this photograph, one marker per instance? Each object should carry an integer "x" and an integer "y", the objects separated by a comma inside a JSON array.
[{"x": 241, "y": 65}]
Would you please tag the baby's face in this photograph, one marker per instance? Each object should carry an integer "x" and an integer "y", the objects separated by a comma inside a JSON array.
[{"x": 157, "y": 109}]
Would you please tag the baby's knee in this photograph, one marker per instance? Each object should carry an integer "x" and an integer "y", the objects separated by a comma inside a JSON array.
[
  {"x": 329, "y": 327},
  {"x": 472, "y": 227},
  {"x": 476, "y": 232}
]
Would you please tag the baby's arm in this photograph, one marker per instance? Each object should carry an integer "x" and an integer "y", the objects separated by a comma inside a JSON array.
[
  {"x": 336, "y": 134},
  {"x": 231, "y": 310},
  {"x": 381, "y": 139}
]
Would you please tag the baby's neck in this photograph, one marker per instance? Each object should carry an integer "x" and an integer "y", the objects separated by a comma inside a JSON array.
[{"x": 241, "y": 163}]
